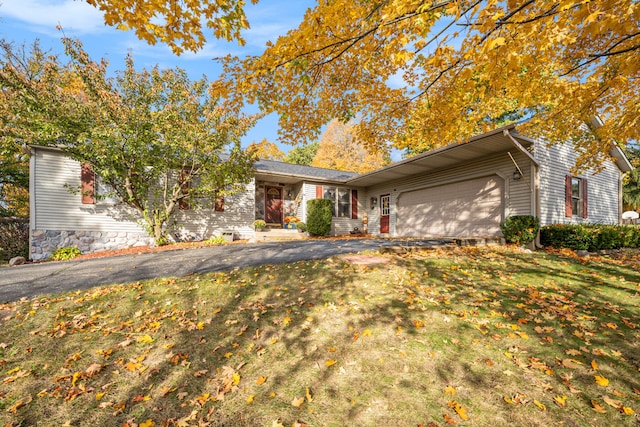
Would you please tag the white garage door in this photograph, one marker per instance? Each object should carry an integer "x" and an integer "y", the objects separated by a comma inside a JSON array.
[{"x": 463, "y": 209}]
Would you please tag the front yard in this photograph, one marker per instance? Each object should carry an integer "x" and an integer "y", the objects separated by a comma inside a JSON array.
[{"x": 471, "y": 336}]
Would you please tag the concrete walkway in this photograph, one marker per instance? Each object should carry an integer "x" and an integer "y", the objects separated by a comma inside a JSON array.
[{"x": 32, "y": 280}]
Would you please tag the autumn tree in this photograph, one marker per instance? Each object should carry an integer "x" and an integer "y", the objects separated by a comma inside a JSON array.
[
  {"x": 154, "y": 137},
  {"x": 462, "y": 64},
  {"x": 340, "y": 149},
  {"x": 302, "y": 154},
  {"x": 265, "y": 150},
  {"x": 425, "y": 73},
  {"x": 179, "y": 25}
]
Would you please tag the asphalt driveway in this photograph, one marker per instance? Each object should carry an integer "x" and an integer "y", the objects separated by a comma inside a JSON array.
[{"x": 32, "y": 280}]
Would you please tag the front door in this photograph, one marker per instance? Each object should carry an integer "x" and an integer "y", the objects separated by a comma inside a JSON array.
[
  {"x": 273, "y": 205},
  {"x": 385, "y": 210}
]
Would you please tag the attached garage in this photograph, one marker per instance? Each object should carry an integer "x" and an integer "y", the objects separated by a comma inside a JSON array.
[{"x": 462, "y": 209}]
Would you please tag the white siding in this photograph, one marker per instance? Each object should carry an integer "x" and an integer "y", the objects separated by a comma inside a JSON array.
[
  {"x": 56, "y": 208},
  {"x": 518, "y": 199},
  {"x": 339, "y": 226},
  {"x": 602, "y": 188},
  {"x": 205, "y": 222}
]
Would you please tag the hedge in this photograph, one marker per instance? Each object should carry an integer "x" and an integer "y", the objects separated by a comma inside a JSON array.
[
  {"x": 590, "y": 237},
  {"x": 520, "y": 229},
  {"x": 14, "y": 238},
  {"x": 319, "y": 214}
]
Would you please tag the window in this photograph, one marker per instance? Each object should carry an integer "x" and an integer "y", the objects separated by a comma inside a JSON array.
[
  {"x": 344, "y": 201},
  {"x": 575, "y": 197}
]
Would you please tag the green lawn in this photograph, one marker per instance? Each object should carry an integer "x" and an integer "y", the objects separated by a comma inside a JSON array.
[{"x": 477, "y": 337}]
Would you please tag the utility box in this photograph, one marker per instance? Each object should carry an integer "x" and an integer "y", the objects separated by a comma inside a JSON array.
[{"x": 228, "y": 236}]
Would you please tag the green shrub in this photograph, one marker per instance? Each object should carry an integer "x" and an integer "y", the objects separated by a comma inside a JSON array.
[
  {"x": 319, "y": 214},
  {"x": 520, "y": 229},
  {"x": 591, "y": 237},
  {"x": 65, "y": 254},
  {"x": 259, "y": 224},
  {"x": 301, "y": 226},
  {"x": 217, "y": 240}
]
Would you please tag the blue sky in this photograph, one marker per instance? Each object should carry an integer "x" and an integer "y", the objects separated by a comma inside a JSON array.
[{"x": 24, "y": 21}]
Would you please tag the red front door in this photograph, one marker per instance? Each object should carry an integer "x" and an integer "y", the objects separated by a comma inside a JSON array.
[
  {"x": 273, "y": 205},
  {"x": 385, "y": 210}
]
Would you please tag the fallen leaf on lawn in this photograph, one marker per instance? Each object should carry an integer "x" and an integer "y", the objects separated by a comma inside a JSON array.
[
  {"x": 308, "y": 395},
  {"x": 628, "y": 410},
  {"x": 201, "y": 373},
  {"x": 330, "y": 362},
  {"x": 571, "y": 363},
  {"x": 250, "y": 398},
  {"x": 18, "y": 404},
  {"x": 450, "y": 390},
  {"x": 93, "y": 369},
  {"x": 450, "y": 420},
  {"x": 297, "y": 402},
  {"x": 261, "y": 380},
  {"x": 598, "y": 407},
  {"x": 594, "y": 365},
  {"x": 366, "y": 333},
  {"x": 612, "y": 402},
  {"x": 561, "y": 401},
  {"x": 462, "y": 412},
  {"x": 99, "y": 395},
  {"x": 601, "y": 381},
  {"x": 148, "y": 423},
  {"x": 146, "y": 339},
  {"x": 509, "y": 400},
  {"x": 277, "y": 424},
  {"x": 125, "y": 343},
  {"x": 539, "y": 405}
]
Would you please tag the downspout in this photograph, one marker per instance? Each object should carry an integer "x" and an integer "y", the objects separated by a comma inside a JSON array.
[{"x": 535, "y": 193}]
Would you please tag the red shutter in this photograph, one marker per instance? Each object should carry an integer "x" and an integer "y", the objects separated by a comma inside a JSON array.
[
  {"x": 318, "y": 191},
  {"x": 568, "y": 211},
  {"x": 87, "y": 177},
  {"x": 218, "y": 205},
  {"x": 585, "y": 198},
  {"x": 354, "y": 204},
  {"x": 183, "y": 205}
]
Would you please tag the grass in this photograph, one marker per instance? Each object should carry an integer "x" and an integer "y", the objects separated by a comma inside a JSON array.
[{"x": 482, "y": 337}]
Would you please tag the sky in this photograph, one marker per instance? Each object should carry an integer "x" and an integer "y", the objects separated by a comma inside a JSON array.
[{"x": 24, "y": 21}]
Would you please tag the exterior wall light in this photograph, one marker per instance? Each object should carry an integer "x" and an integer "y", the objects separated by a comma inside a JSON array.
[{"x": 517, "y": 175}]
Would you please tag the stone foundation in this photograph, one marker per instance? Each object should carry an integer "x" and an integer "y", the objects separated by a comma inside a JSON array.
[{"x": 44, "y": 242}]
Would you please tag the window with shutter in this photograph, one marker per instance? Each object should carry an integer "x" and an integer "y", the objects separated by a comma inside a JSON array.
[
  {"x": 576, "y": 199},
  {"x": 87, "y": 178}
]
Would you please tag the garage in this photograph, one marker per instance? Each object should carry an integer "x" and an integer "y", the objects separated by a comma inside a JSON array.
[{"x": 462, "y": 209}]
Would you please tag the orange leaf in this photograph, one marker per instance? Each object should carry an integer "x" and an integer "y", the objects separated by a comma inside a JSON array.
[
  {"x": 330, "y": 362},
  {"x": 594, "y": 365},
  {"x": 598, "y": 407},
  {"x": 450, "y": 420},
  {"x": 261, "y": 380}
]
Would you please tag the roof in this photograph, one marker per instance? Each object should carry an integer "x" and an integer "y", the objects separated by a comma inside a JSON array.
[
  {"x": 479, "y": 146},
  {"x": 267, "y": 170}
]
